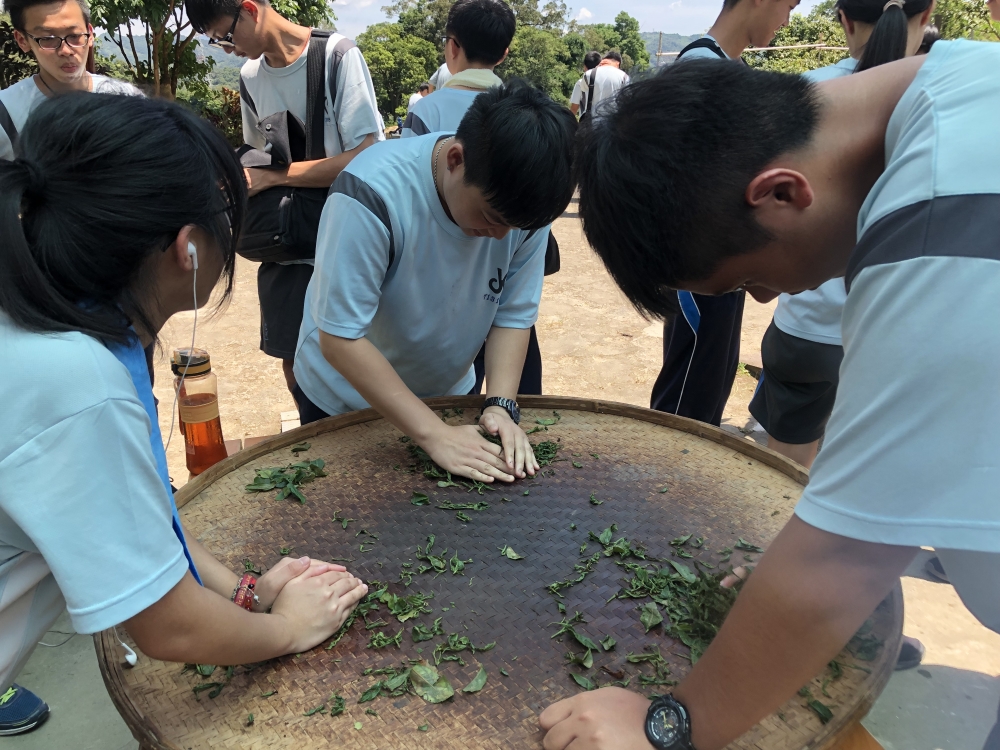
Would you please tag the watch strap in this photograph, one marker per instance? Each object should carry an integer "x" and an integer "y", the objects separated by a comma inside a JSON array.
[{"x": 507, "y": 404}]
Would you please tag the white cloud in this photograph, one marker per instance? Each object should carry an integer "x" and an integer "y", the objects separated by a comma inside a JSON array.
[
  {"x": 676, "y": 5},
  {"x": 584, "y": 14}
]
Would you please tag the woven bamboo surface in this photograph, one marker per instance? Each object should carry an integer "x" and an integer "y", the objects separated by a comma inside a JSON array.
[{"x": 717, "y": 486}]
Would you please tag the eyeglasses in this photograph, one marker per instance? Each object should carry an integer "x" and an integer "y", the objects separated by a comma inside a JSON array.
[
  {"x": 51, "y": 43},
  {"x": 444, "y": 41},
  {"x": 226, "y": 43}
]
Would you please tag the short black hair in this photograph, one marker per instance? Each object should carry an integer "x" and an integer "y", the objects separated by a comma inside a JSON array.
[
  {"x": 423, "y": 86},
  {"x": 663, "y": 175},
  {"x": 203, "y": 13},
  {"x": 83, "y": 213},
  {"x": 518, "y": 147},
  {"x": 16, "y": 10},
  {"x": 592, "y": 59},
  {"x": 483, "y": 29},
  {"x": 613, "y": 55}
]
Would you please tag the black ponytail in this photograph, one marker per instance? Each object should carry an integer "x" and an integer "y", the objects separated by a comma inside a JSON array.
[
  {"x": 100, "y": 184},
  {"x": 890, "y": 19}
]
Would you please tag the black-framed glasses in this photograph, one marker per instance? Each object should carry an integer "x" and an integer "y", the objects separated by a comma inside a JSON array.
[
  {"x": 444, "y": 41},
  {"x": 226, "y": 43},
  {"x": 52, "y": 43}
]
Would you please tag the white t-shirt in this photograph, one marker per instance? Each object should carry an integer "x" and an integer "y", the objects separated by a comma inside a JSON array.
[
  {"x": 85, "y": 521},
  {"x": 351, "y": 118},
  {"x": 414, "y": 98},
  {"x": 393, "y": 268},
  {"x": 22, "y": 97},
  {"x": 815, "y": 315},
  {"x": 438, "y": 112},
  {"x": 440, "y": 77},
  {"x": 911, "y": 453},
  {"x": 607, "y": 82}
]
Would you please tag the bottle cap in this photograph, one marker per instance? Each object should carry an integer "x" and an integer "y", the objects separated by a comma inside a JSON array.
[{"x": 196, "y": 361}]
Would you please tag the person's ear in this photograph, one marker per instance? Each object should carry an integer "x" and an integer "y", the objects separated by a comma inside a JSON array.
[
  {"x": 22, "y": 42},
  {"x": 178, "y": 250},
  {"x": 505, "y": 53},
  {"x": 455, "y": 156},
  {"x": 925, "y": 17},
  {"x": 846, "y": 22},
  {"x": 252, "y": 9},
  {"x": 779, "y": 189}
]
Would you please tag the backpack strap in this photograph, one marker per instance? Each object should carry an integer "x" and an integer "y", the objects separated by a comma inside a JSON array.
[
  {"x": 8, "y": 125},
  {"x": 245, "y": 96},
  {"x": 706, "y": 43},
  {"x": 590, "y": 89},
  {"x": 342, "y": 47},
  {"x": 315, "y": 73}
]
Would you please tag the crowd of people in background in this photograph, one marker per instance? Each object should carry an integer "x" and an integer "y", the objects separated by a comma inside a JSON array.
[{"x": 393, "y": 270}]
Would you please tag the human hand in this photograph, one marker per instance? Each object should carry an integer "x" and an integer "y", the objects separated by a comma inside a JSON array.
[
  {"x": 463, "y": 451},
  {"x": 273, "y": 581},
  {"x": 516, "y": 449},
  {"x": 315, "y": 605},
  {"x": 607, "y": 719},
  {"x": 261, "y": 179}
]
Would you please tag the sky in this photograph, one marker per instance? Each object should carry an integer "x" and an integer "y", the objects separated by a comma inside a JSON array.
[{"x": 672, "y": 16}]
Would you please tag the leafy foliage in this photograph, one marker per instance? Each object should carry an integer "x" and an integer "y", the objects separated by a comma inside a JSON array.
[
  {"x": 398, "y": 62},
  {"x": 820, "y": 26},
  {"x": 15, "y": 65}
]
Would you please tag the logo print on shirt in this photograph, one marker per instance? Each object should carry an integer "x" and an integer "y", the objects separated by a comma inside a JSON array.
[{"x": 496, "y": 285}]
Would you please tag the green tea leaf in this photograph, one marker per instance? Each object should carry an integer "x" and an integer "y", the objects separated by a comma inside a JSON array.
[
  {"x": 747, "y": 547},
  {"x": 395, "y": 683},
  {"x": 336, "y": 704},
  {"x": 424, "y": 674},
  {"x": 504, "y": 672},
  {"x": 586, "y": 642},
  {"x": 318, "y": 710},
  {"x": 477, "y": 682},
  {"x": 681, "y": 540},
  {"x": 422, "y": 728},
  {"x": 439, "y": 692},
  {"x": 684, "y": 571},
  {"x": 463, "y": 517},
  {"x": 822, "y": 711},
  {"x": 300, "y": 448},
  {"x": 205, "y": 670},
  {"x": 371, "y": 693},
  {"x": 608, "y": 643},
  {"x": 249, "y": 720},
  {"x": 594, "y": 500},
  {"x": 577, "y": 465},
  {"x": 651, "y": 616},
  {"x": 269, "y": 694},
  {"x": 582, "y": 681},
  {"x": 358, "y": 725},
  {"x": 510, "y": 554},
  {"x": 419, "y": 498},
  {"x": 285, "y": 551}
]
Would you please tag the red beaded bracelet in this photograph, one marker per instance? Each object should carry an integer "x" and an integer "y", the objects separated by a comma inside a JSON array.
[{"x": 243, "y": 595}]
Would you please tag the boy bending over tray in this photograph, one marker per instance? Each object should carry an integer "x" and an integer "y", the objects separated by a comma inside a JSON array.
[
  {"x": 427, "y": 247},
  {"x": 902, "y": 161}
]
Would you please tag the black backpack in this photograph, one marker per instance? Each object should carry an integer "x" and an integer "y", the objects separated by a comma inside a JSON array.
[
  {"x": 8, "y": 126},
  {"x": 282, "y": 222},
  {"x": 704, "y": 42}
]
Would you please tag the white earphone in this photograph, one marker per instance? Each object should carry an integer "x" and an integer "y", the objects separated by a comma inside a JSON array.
[
  {"x": 192, "y": 251},
  {"x": 130, "y": 657}
]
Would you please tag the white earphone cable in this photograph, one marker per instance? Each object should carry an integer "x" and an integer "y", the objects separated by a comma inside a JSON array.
[{"x": 180, "y": 383}]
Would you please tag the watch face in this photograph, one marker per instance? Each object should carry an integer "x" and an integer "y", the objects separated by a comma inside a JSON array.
[{"x": 664, "y": 726}]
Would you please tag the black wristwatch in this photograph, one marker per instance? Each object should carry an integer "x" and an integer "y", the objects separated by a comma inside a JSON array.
[
  {"x": 507, "y": 404},
  {"x": 668, "y": 726}
]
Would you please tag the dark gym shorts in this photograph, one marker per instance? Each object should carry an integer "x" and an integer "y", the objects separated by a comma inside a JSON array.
[
  {"x": 797, "y": 388},
  {"x": 282, "y": 292}
]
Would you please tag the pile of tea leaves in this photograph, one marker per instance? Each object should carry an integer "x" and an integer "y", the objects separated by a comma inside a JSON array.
[{"x": 287, "y": 479}]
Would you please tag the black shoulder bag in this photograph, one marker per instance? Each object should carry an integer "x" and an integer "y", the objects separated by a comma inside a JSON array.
[
  {"x": 282, "y": 222},
  {"x": 590, "y": 95}
]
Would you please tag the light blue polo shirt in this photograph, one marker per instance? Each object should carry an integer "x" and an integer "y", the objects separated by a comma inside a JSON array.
[
  {"x": 85, "y": 521},
  {"x": 911, "y": 454},
  {"x": 438, "y": 112},
  {"x": 393, "y": 268}
]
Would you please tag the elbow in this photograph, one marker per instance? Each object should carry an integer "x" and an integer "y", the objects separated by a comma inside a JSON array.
[{"x": 336, "y": 349}]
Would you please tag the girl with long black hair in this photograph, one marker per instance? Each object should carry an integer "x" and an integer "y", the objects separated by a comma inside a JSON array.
[{"x": 117, "y": 213}]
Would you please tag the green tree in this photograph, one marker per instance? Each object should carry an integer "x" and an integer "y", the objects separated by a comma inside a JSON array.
[
  {"x": 632, "y": 44},
  {"x": 820, "y": 26},
  {"x": 15, "y": 65},
  {"x": 965, "y": 19},
  {"x": 156, "y": 40},
  {"x": 421, "y": 18},
  {"x": 398, "y": 62},
  {"x": 539, "y": 57}
]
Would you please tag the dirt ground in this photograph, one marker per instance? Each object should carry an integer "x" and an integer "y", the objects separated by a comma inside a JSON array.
[{"x": 593, "y": 344}]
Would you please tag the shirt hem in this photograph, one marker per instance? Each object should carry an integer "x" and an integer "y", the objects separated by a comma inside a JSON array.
[
  {"x": 103, "y": 616},
  {"x": 817, "y": 338},
  {"x": 901, "y": 532}
]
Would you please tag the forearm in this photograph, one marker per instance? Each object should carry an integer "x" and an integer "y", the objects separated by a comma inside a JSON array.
[
  {"x": 505, "y": 352},
  {"x": 195, "y": 625},
  {"x": 216, "y": 576},
  {"x": 810, "y": 593},
  {"x": 374, "y": 378},
  {"x": 321, "y": 173}
]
